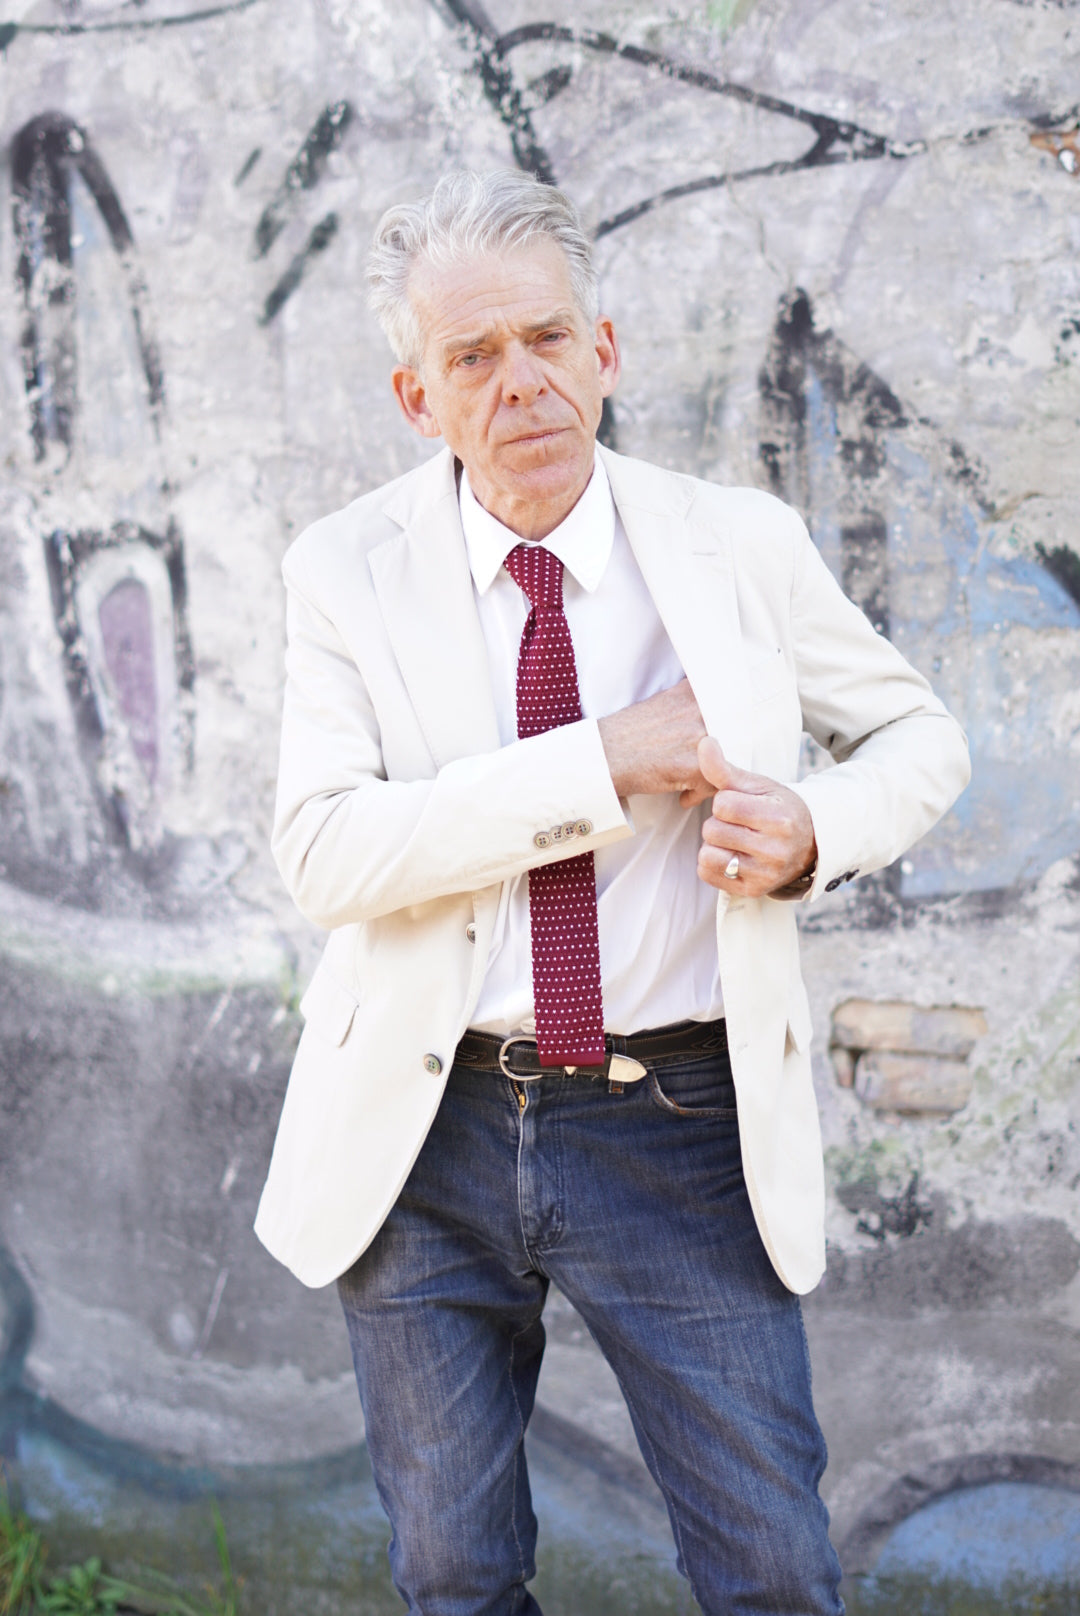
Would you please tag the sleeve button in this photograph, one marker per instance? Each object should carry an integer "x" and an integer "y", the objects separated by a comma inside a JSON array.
[
  {"x": 542, "y": 839},
  {"x": 570, "y": 828},
  {"x": 831, "y": 886},
  {"x": 432, "y": 1064},
  {"x": 584, "y": 827}
]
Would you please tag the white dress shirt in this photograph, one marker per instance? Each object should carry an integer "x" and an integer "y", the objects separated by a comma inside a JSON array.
[{"x": 657, "y": 919}]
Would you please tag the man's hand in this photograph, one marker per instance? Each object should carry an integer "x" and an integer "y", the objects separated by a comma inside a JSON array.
[
  {"x": 652, "y": 747},
  {"x": 768, "y": 826}
]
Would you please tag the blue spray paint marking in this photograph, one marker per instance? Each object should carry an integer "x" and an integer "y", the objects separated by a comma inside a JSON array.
[
  {"x": 965, "y": 616},
  {"x": 989, "y": 1536}
]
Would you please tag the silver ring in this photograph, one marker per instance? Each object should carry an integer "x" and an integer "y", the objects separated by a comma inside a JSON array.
[{"x": 731, "y": 868}]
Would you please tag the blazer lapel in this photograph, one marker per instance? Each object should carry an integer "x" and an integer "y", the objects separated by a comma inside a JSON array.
[
  {"x": 688, "y": 567},
  {"x": 425, "y": 593}
]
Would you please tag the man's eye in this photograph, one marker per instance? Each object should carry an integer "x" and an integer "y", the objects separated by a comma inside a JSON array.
[{"x": 469, "y": 359}]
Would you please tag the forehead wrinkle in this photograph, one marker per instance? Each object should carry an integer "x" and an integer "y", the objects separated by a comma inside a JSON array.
[{"x": 530, "y": 328}]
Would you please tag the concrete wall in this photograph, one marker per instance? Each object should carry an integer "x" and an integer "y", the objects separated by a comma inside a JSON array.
[{"x": 840, "y": 241}]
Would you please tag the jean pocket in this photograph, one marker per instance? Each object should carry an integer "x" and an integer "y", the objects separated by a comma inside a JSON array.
[{"x": 702, "y": 1089}]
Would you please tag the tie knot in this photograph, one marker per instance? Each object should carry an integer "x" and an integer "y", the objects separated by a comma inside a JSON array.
[{"x": 538, "y": 572}]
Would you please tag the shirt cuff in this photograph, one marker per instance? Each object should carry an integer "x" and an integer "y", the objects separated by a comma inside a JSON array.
[{"x": 602, "y": 803}]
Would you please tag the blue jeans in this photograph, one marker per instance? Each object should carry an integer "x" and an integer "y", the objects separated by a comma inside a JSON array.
[{"x": 634, "y": 1204}]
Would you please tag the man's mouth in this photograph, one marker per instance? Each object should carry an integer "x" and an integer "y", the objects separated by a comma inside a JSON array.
[{"x": 538, "y": 436}]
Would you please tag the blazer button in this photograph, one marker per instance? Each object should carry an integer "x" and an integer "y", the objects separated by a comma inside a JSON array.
[
  {"x": 584, "y": 827},
  {"x": 470, "y": 932},
  {"x": 541, "y": 839},
  {"x": 432, "y": 1064}
]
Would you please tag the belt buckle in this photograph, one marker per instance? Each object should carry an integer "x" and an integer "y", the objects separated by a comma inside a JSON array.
[
  {"x": 517, "y": 1077},
  {"x": 618, "y": 1069}
]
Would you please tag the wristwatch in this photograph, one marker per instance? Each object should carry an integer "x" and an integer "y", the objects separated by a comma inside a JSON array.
[{"x": 799, "y": 887}]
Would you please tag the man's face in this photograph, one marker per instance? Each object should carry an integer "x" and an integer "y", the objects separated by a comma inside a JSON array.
[{"x": 513, "y": 380}]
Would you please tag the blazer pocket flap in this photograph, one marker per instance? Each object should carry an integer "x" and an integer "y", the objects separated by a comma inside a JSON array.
[{"x": 328, "y": 1007}]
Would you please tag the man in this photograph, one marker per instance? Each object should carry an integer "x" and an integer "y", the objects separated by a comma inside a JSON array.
[{"x": 542, "y": 726}]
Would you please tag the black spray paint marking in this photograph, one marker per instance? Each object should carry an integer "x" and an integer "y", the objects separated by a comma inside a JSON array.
[
  {"x": 138, "y": 699},
  {"x": 835, "y": 139},
  {"x": 869, "y": 406},
  {"x": 550, "y": 84},
  {"x": 248, "y": 164},
  {"x": 864, "y": 568},
  {"x": 45, "y": 153},
  {"x": 865, "y": 408},
  {"x": 902, "y": 1215},
  {"x": 302, "y": 174},
  {"x": 1064, "y": 565},
  {"x": 800, "y": 361},
  {"x": 127, "y": 25},
  {"x": 502, "y": 93},
  {"x": 318, "y": 241}
]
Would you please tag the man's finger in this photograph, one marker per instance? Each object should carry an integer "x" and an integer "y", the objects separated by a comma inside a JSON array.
[
  {"x": 753, "y": 809},
  {"x": 732, "y": 834},
  {"x": 724, "y": 775},
  {"x": 713, "y": 764}
]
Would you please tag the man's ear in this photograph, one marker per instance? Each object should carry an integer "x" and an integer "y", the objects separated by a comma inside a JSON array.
[
  {"x": 412, "y": 400},
  {"x": 607, "y": 355}
]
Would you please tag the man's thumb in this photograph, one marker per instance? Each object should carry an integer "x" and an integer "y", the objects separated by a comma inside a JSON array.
[{"x": 713, "y": 764}]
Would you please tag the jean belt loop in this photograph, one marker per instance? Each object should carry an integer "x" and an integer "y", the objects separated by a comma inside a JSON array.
[{"x": 618, "y": 1047}]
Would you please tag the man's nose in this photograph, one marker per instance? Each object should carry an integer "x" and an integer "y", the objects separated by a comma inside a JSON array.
[{"x": 522, "y": 375}]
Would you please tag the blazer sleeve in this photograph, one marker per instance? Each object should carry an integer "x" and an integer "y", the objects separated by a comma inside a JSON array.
[
  {"x": 901, "y": 758},
  {"x": 352, "y": 844}
]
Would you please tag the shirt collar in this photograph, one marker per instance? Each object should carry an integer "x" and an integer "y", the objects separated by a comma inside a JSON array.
[{"x": 582, "y": 541}]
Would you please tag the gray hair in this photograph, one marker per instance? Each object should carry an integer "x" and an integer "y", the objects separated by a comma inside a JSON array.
[{"x": 467, "y": 215}]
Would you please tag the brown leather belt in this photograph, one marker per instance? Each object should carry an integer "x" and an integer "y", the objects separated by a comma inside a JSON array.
[{"x": 519, "y": 1058}]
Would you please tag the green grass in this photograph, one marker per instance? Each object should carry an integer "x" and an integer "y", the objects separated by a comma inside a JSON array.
[
  {"x": 28, "y": 1589},
  {"x": 922, "y": 1596},
  {"x": 22, "y": 1562}
]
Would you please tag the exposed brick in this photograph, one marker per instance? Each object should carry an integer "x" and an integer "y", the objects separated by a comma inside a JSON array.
[
  {"x": 905, "y": 1028},
  {"x": 927, "y": 1084}
]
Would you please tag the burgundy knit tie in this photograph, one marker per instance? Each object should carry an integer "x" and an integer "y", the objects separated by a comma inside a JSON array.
[{"x": 562, "y": 896}]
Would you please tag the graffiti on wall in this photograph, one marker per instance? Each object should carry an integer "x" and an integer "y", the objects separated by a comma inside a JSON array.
[
  {"x": 302, "y": 174},
  {"x": 74, "y": 17},
  {"x": 118, "y": 590},
  {"x": 902, "y": 516},
  {"x": 899, "y": 509}
]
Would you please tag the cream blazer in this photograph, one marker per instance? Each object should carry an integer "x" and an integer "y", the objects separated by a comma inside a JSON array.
[{"x": 398, "y": 816}]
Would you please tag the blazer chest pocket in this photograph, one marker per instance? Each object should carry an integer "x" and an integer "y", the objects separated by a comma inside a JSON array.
[
  {"x": 328, "y": 1008},
  {"x": 769, "y": 676}
]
